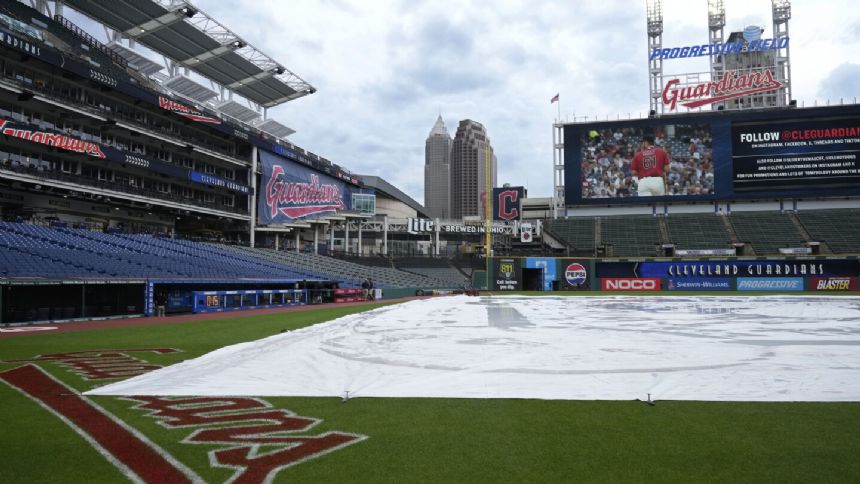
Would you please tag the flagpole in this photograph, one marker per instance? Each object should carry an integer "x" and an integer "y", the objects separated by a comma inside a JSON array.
[{"x": 559, "y": 109}]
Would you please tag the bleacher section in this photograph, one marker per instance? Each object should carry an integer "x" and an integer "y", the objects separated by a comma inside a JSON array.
[
  {"x": 630, "y": 236},
  {"x": 698, "y": 231},
  {"x": 342, "y": 270},
  {"x": 576, "y": 232},
  {"x": 838, "y": 228},
  {"x": 37, "y": 251},
  {"x": 432, "y": 267},
  {"x": 767, "y": 232}
]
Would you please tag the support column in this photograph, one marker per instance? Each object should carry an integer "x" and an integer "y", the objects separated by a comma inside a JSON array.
[
  {"x": 298, "y": 240},
  {"x": 277, "y": 241},
  {"x": 385, "y": 236},
  {"x": 316, "y": 239},
  {"x": 436, "y": 252},
  {"x": 252, "y": 208},
  {"x": 346, "y": 236},
  {"x": 359, "y": 239},
  {"x": 331, "y": 238}
]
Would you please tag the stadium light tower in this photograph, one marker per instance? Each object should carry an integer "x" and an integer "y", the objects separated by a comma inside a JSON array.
[
  {"x": 781, "y": 16},
  {"x": 654, "y": 9},
  {"x": 716, "y": 24}
]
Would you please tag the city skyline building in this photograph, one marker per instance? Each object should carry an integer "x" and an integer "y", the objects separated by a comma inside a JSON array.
[
  {"x": 468, "y": 161},
  {"x": 437, "y": 171}
]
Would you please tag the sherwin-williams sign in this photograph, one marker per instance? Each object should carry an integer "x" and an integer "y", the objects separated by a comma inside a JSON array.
[
  {"x": 700, "y": 284},
  {"x": 294, "y": 192}
]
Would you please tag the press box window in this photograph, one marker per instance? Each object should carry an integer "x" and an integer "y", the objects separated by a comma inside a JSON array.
[{"x": 364, "y": 203}]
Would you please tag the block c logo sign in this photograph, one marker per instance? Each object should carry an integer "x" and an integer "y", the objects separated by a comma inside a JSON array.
[{"x": 507, "y": 203}]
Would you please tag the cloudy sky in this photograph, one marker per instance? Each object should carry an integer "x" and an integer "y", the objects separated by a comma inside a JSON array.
[{"x": 384, "y": 70}]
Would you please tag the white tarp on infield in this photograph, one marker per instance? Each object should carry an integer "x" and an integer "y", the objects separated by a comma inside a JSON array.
[{"x": 765, "y": 348}]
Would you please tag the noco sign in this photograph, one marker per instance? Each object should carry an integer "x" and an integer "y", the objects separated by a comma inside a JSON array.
[{"x": 631, "y": 284}]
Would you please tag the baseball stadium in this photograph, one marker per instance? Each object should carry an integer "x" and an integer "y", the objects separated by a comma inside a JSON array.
[{"x": 186, "y": 295}]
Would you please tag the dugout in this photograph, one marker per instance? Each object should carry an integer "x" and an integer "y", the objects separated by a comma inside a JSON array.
[
  {"x": 33, "y": 301},
  {"x": 178, "y": 295}
]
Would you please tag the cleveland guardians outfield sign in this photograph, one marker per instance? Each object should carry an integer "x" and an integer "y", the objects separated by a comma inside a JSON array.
[{"x": 293, "y": 192}]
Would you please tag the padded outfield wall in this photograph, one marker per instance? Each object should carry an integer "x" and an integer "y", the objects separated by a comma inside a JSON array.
[{"x": 786, "y": 274}]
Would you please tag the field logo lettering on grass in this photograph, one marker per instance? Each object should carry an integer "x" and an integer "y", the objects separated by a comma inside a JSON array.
[
  {"x": 265, "y": 436},
  {"x": 259, "y": 440},
  {"x": 102, "y": 364}
]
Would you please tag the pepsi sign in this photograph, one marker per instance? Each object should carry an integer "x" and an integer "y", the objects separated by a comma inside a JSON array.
[{"x": 575, "y": 274}]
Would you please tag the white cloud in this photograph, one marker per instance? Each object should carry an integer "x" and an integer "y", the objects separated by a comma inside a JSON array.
[{"x": 385, "y": 69}]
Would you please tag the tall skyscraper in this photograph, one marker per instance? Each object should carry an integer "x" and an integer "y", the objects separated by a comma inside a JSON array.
[
  {"x": 437, "y": 171},
  {"x": 468, "y": 161}
]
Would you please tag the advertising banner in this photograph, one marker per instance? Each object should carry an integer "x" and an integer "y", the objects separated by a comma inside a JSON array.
[
  {"x": 507, "y": 275},
  {"x": 292, "y": 192},
  {"x": 549, "y": 270},
  {"x": 188, "y": 112},
  {"x": 807, "y": 153},
  {"x": 700, "y": 284},
  {"x": 215, "y": 181},
  {"x": 149, "y": 299},
  {"x": 730, "y": 268},
  {"x": 770, "y": 284},
  {"x": 60, "y": 141},
  {"x": 833, "y": 284},
  {"x": 631, "y": 284},
  {"x": 506, "y": 203},
  {"x": 574, "y": 274}
]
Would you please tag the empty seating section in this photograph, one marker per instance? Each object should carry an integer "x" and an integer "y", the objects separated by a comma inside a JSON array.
[
  {"x": 433, "y": 267},
  {"x": 37, "y": 251},
  {"x": 67, "y": 39},
  {"x": 630, "y": 236},
  {"x": 348, "y": 272},
  {"x": 767, "y": 232},
  {"x": 838, "y": 228},
  {"x": 698, "y": 231},
  {"x": 576, "y": 232}
]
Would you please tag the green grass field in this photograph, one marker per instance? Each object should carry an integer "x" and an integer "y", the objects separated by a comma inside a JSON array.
[{"x": 440, "y": 440}]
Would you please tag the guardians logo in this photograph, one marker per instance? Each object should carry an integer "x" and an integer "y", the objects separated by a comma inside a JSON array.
[
  {"x": 732, "y": 85},
  {"x": 297, "y": 200},
  {"x": 185, "y": 111},
  {"x": 53, "y": 140}
]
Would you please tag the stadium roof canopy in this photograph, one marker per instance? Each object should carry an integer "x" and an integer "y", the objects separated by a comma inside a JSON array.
[{"x": 180, "y": 31}]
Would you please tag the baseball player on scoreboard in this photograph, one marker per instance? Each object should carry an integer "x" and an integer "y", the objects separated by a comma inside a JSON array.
[{"x": 650, "y": 166}]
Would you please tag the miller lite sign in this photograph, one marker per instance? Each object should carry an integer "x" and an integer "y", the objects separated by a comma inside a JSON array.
[
  {"x": 293, "y": 192},
  {"x": 507, "y": 203}
]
